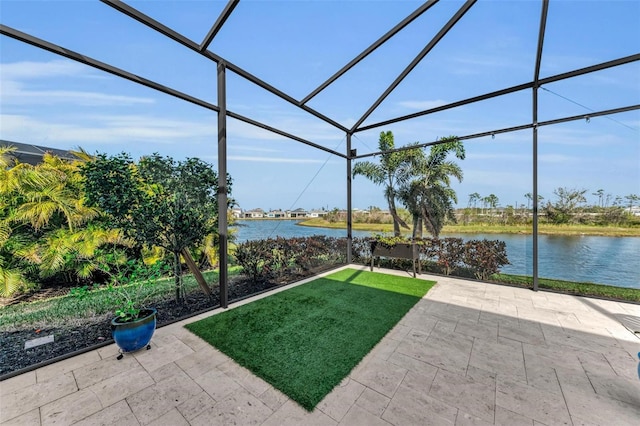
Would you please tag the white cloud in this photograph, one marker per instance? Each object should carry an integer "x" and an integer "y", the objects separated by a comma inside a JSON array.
[{"x": 17, "y": 86}]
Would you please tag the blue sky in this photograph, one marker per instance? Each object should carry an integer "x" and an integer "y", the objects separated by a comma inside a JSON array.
[{"x": 295, "y": 46}]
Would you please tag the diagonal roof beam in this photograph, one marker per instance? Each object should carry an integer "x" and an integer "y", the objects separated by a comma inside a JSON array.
[
  {"x": 509, "y": 129},
  {"x": 393, "y": 31},
  {"x": 70, "y": 54},
  {"x": 459, "y": 14},
  {"x": 543, "y": 24},
  {"x": 512, "y": 89},
  {"x": 218, "y": 24},
  {"x": 175, "y": 36}
]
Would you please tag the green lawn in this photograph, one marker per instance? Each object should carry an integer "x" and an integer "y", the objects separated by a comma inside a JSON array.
[{"x": 305, "y": 340}]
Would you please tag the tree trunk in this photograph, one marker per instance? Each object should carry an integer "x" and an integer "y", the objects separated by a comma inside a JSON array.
[
  {"x": 196, "y": 272},
  {"x": 397, "y": 221},
  {"x": 177, "y": 275}
]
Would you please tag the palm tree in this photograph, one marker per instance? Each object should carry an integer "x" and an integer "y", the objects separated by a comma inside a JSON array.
[
  {"x": 389, "y": 172},
  {"x": 427, "y": 194}
]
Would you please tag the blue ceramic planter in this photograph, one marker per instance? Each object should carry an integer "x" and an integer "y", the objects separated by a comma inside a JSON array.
[{"x": 134, "y": 335}]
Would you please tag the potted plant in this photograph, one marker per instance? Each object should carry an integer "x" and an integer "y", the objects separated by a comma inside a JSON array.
[{"x": 134, "y": 323}]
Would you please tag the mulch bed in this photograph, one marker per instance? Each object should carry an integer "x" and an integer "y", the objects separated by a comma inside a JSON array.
[{"x": 14, "y": 357}]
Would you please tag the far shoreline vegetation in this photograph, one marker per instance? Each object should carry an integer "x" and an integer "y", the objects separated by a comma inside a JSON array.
[{"x": 486, "y": 228}]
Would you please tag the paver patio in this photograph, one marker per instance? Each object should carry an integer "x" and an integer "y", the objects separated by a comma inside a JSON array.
[{"x": 469, "y": 353}]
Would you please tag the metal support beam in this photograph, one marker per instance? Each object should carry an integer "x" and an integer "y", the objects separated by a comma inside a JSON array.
[
  {"x": 349, "y": 205},
  {"x": 393, "y": 31},
  {"x": 512, "y": 89},
  {"x": 510, "y": 129},
  {"x": 175, "y": 36},
  {"x": 536, "y": 85},
  {"x": 58, "y": 50},
  {"x": 434, "y": 41},
  {"x": 222, "y": 185},
  {"x": 45, "y": 45},
  {"x": 218, "y": 24}
]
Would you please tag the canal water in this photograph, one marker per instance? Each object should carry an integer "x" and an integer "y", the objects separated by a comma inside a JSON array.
[{"x": 602, "y": 260}]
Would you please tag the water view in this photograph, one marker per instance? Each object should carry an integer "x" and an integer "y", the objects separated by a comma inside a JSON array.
[{"x": 602, "y": 260}]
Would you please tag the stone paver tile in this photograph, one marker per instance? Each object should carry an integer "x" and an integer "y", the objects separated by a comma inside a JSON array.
[
  {"x": 117, "y": 414},
  {"x": 449, "y": 353},
  {"x": 623, "y": 363},
  {"x": 26, "y": 419},
  {"x": 201, "y": 362},
  {"x": 154, "y": 401},
  {"x": 27, "y": 398},
  {"x": 67, "y": 365},
  {"x": 544, "y": 406},
  {"x": 482, "y": 376},
  {"x": 423, "y": 322},
  {"x": 498, "y": 358},
  {"x": 109, "y": 351},
  {"x": 119, "y": 387},
  {"x": 291, "y": 414},
  {"x": 172, "y": 418},
  {"x": 196, "y": 405},
  {"x": 385, "y": 348},
  {"x": 273, "y": 398},
  {"x": 573, "y": 380},
  {"x": 357, "y": 416},
  {"x": 522, "y": 333},
  {"x": 191, "y": 340},
  {"x": 71, "y": 408},
  {"x": 98, "y": 371},
  {"x": 398, "y": 332},
  {"x": 601, "y": 410},
  {"x": 476, "y": 329},
  {"x": 466, "y": 419},
  {"x": 617, "y": 387},
  {"x": 416, "y": 336},
  {"x": 444, "y": 327},
  {"x": 506, "y": 417},
  {"x": 217, "y": 384},
  {"x": 542, "y": 377},
  {"x": 161, "y": 355},
  {"x": 341, "y": 398},
  {"x": 409, "y": 407},
  {"x": 464, "y": 393},
  {"x": 239, "y": 408},
  {"x": 165, "y": 372},
  {"x": 418, "y": 381},
  {"x": 543, "y": 316},
  {"x": 18, "y": 382},
  {"x": 551, "y": 356},
  {"x": 595, "y": 363},
  {"x": 381, "y": 376},
  {"x": 244, "y": 377},
  {"x": 412, "y": 364},
  {"x": 373, "y": 402}
]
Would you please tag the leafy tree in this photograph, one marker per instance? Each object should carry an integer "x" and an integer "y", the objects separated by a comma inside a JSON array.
[
  {"x": 388, "y": 172},
  {"x": 600, "y": 194},
  {"x": 632, "y": 199},
  {"x": 473, "y": 199},
  {"x": 157, "y": 202},
  {"x": 568, "y": 199},
  {"x": 427, "y": 193}
]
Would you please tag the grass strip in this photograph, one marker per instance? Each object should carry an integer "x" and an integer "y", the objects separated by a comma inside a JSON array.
[
  {"x": 70, "y": 309},
  {"x": 305, "y": 340},
  {"x": 572, "y": 287}
]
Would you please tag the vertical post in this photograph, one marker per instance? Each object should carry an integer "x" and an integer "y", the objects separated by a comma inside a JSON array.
[
  {"x": 349, "y": 207},
  {"x": 222, "y": 184},
  {"x": 536, "y": 85},
  {"x": 535, "y": 188}
]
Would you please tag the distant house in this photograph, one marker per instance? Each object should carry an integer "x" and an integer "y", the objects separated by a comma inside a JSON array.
[
  {"x": 298, "y": 213},
  {"x": 236, "y": 213},
  {"x": 254, "y": 214},
  {"x": 32, "y": 154},
  {"x": 276, "y": 214},
  {"x": 317, "y": 213}
]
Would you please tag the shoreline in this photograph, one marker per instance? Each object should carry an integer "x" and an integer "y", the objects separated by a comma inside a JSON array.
[{"x": 543, "y": 229}]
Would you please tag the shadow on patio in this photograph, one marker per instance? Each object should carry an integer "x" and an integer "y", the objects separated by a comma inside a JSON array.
[{"x": 468, "y": 353}]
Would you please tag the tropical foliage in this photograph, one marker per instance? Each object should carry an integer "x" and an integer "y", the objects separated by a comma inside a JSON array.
[
  {"x": 157, "y": 202},
  {"x": 421, "y": 181}
]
